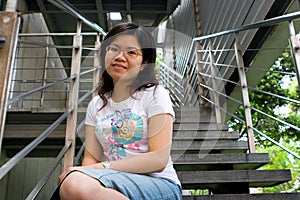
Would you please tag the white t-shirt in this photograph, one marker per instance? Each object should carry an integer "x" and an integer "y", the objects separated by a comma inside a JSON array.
[{"x": 122, "y": 127}]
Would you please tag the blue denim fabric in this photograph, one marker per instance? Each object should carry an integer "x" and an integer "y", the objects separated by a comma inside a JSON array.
[{"x": 136, "y": 186}]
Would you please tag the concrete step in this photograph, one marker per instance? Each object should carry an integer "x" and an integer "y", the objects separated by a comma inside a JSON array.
[
  {"x": 205, "y": 135},
  {"x": 195, "y": 109},
  {"x": 269, "y": 196},
  {"x": 212, "y": 146},
  {"x": 235, "y": 161},
  {"x": 232, "y": 181},
  {"x": 199, "y": 126}
]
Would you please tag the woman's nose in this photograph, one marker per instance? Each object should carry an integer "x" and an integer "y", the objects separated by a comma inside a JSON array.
[{"x": 121, "y": 53}]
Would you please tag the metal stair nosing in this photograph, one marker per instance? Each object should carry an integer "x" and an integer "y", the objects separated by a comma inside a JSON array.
[
  {"x": 236, "y": 161},
  {"x": 253, "y": 178}
]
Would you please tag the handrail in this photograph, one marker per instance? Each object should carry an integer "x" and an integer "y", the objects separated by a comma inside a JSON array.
[
  {"x": 25, "y": 151},
  {"x": 69, "y": 8},
  {"x": 267, "y": 22},
  {"x": 33, "y": 194},
  {"x": 46, "y": 44},
  {"x": 39, "y": 89},
  {"x": 256, "y": 130}
]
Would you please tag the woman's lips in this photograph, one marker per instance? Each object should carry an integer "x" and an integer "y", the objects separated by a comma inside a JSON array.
[{"x": 118, "y": 66}]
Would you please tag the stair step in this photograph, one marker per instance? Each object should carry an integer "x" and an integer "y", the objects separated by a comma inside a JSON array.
[
  {"x": 201, "y": 109},
  {"x": 196, "y": 162},
  {"x": 194, "y": 119},
  {"x": 205, "y": 135},
  {"x": 269, "y": 196},
  {"x": 210, "y": 145},
  {"x": 250, "y": 178},
  {"x": 199, "y": 126}
]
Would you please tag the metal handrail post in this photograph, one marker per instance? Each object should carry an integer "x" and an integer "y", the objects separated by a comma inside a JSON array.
[
  {"x": 73, "y": 97},
  {"x": 46, "y": 54},
  {"x": 214, "y": 82},
  {"x": 97, "y": 65},
  {"x": 295, "y": 49},
  {"x": 245, "y": 95}
]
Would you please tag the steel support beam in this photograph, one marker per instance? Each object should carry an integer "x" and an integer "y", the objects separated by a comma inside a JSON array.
[{"x": 9, "y": 23}]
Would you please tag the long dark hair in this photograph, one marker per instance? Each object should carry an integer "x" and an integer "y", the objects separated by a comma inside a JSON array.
[{"x": 146, "y": 78}]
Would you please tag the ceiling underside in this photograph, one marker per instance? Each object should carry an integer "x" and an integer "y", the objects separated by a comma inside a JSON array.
[{"x": 149, "y": 13}]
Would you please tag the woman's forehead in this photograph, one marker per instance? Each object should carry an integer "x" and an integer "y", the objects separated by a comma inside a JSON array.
[{"x": 126, "y": 40}]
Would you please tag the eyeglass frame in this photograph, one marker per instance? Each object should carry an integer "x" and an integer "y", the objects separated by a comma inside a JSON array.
[{"x": 125, "y": 51}]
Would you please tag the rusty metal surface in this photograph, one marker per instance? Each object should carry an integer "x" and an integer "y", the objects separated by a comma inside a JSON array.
[{"x": 8, "y": 29}]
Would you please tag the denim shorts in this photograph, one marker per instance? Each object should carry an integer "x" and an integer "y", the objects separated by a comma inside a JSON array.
[{"x": 134, "y": 186}]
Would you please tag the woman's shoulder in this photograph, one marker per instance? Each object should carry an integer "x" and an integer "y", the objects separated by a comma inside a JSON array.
[{"x": 157, "y": 89}]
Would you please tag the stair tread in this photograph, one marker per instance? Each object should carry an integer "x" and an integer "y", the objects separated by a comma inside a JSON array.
[
  {"x": 265, "y": 196},
  {"x": 201, "y": 135},
  {"x": 255, "y": 178},
  {"x": 199, "y": 126},
  {"x": 208, "y": 145},
  {"x": 236, "y": 161}
]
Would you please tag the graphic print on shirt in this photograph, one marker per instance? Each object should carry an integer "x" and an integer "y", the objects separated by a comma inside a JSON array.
[{"x": 126, "y": 128}]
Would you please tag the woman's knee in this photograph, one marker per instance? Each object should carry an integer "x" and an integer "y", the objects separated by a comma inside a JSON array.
[{"x": 75, "y": 185}]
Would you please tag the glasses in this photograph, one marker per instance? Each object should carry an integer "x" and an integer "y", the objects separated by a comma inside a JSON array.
[{"x": 130, "y": 52}]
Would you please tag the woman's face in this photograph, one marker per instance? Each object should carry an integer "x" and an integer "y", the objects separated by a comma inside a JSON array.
[{"x": 123, "y": 59}]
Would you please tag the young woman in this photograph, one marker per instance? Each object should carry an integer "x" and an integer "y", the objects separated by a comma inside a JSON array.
[{"x": 131, "y": 123}]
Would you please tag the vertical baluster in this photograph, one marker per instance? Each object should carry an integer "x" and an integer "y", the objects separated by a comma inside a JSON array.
[
  {"x": 245, "y": 95},
  {"x": 295, "y": 49},
  {"x": 214, "y": 82},
  {"x": 44, "y": 73},
  {"x": 97, "y": 65},
  {"x": 73, "y": 96}
]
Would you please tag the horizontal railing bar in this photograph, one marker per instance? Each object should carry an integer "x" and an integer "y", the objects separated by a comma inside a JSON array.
[
  {"x": 171, "y": 70},
  {"x": 85, "y": 96},
  {"x": 69, "y": 8},
  {"x": 263, "y": 23},
  {"x": 215, "y": 77},
  {"x": 225, "y": 95},
  {"x": 275, "y": 119},
  {"x": 46, "y": 44},
  {"x": 273, "y": 71},
  {"x": 49, "y": 80},
  {"x": 17, "y": 98},
  {"x": 55, "y": 34},
  {"x": 275, "y": 95},
  {"x": 87, "y": 71},
  {"x": 36, "y": 190},
  {"x": 26, "y": 150},
  {"x": 262, "y": 134},
  {"x": 226, "y": 50},
  {"x": 276, "y": 143}
]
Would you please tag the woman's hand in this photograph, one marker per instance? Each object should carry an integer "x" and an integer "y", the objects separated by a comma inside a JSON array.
[{"x": 70, "y": 169}]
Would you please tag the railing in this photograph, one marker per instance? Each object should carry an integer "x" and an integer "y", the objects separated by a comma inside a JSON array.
[
  {"x": 61, "y": 87},
  {"x": 212, "y": 62}
]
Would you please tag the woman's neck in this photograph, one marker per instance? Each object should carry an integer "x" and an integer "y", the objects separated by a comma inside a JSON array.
[{"x": 121, "y": 92}]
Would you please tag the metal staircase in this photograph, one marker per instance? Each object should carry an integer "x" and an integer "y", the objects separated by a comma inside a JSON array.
[{"x": 208, "y": 157}]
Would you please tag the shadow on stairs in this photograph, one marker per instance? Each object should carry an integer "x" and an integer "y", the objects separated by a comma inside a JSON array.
[{"x": 209, "y": 157}]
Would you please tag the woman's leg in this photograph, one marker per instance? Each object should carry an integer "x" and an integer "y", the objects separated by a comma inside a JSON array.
[{"x": 78, "y": 185}]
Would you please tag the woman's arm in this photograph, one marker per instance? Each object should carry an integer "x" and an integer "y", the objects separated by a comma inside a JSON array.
[
  {"x": 93, "y": 150},
  {"x": 92, "y": 153}
]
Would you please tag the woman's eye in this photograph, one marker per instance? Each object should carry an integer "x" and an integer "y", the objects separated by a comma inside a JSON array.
[
  {"x": 132, "y": 52},
  {"x": 113, "y": 49}
]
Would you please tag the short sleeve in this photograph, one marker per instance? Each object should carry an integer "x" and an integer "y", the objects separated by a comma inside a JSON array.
[
  {"x": 159, "y": 102},
  {"x": 90, "y": 117}
]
